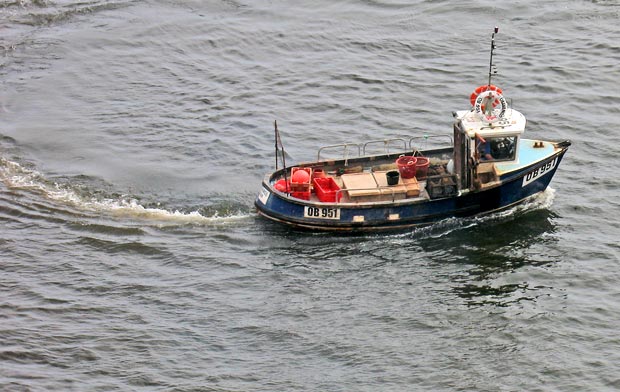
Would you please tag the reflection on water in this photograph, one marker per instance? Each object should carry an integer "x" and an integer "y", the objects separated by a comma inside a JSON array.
[
  {"x": 499, "y": 257},
  {"x": 483, "y": 260}
]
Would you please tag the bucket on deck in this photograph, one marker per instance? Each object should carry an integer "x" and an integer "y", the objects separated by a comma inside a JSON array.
[
  {"x": 421, "y": 167},
  {"x": 392, "y": 177},
  {"x": 406, "y": 166}
]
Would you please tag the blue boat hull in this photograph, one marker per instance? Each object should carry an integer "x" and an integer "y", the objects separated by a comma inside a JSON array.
[{"x": 512, "y": 189}]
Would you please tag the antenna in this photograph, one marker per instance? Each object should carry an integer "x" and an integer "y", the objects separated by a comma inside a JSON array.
[{"x": 492, "y": 69}]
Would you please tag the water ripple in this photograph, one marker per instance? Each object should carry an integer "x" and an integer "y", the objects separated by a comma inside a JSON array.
[{"x": 135, "y": 135}]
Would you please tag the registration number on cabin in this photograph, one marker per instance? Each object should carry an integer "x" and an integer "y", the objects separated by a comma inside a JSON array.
[
  {"x": 539, "y": 172},
  {"x": 321, "y": 212}
]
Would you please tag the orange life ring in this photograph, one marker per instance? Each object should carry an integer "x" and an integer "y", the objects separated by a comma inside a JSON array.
[{"x": 481, "y": 89}]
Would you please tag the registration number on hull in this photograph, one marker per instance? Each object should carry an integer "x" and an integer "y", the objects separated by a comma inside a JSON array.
[
  {"x": 539, "y": 172},
  {"x": 263, "y": 196},
  {"x": 321, "y": 212}
]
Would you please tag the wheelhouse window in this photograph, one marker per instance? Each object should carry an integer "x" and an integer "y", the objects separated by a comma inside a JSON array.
[{"x": 497, "y": 148}]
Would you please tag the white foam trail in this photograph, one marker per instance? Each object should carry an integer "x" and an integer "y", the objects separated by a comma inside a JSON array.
[
  {"x": 447, "y": 226},
  {"x": 18, "y": 177},
  {"x": 134, "y": 209},
  {"x": 539, "y": 201}
]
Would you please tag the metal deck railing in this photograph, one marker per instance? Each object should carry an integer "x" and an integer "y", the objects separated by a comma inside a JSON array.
[{"x": 421, "y": 143}]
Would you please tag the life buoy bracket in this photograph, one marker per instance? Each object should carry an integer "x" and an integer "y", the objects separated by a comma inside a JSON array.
[{"x": 489, "y": 113}]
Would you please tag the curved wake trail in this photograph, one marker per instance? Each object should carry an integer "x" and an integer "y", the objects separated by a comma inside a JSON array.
[{"x": 16, "y": 176}]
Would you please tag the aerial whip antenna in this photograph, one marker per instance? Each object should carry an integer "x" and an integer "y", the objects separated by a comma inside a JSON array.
[{"x": 492, "y": 69}]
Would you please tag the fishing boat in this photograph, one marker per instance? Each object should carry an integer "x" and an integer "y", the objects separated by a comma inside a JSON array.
[{"x": 485, "y": 165}]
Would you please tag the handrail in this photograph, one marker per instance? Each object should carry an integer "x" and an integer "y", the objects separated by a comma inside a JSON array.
[
  {"x": 361, "y": 148},
  {"x": 386, "y": 144},
  {"x": 346, "y": 149},
  {"x": 426, "y": 138}
]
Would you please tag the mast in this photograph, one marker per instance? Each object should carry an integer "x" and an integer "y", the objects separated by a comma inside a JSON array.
[
  {"x": 279, "y": 142},
  {"x": 275, "y": 124},
  {"x": 492, "y": 69}
]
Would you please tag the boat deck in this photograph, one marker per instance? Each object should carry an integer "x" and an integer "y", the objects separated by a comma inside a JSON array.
[
  {"x": 528, "y": 154},
  {"x": 366, "y": 181},
  {"x": 372, "y": 187}
]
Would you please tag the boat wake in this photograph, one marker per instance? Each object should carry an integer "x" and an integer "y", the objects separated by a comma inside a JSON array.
[
  {"x": 540, "y": 201},
  {"x": 16, "y": 176}
]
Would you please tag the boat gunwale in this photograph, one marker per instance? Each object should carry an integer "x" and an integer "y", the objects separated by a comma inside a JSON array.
[{"x": 505, "y": 178}]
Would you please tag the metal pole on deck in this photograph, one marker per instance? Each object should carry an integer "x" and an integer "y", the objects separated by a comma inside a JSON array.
[
  {"x": 279, "y": 141},
  {"x": 275, "y": 136}
]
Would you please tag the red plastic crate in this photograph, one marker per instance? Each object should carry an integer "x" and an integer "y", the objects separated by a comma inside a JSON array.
[
  {"x": 300, "y": 186},
  {"x": 326, "y": 189},
  {"x": 301, "y": 195}
]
